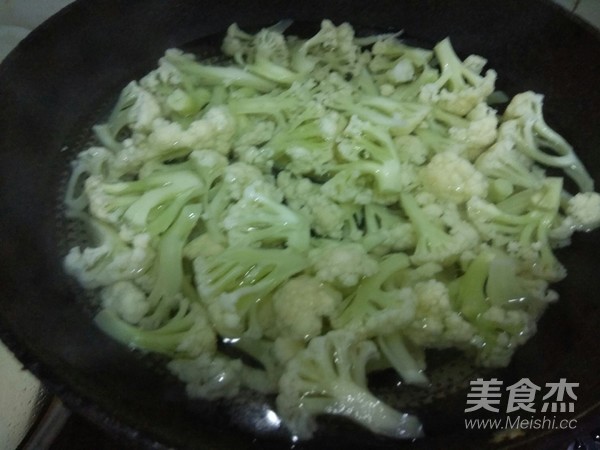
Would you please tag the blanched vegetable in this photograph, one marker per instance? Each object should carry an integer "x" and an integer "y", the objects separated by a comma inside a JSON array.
[{"x": 317, "y": 204}]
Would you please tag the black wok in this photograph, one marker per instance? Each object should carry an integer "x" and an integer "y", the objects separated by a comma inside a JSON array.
[{"x": 63, "y": 77}]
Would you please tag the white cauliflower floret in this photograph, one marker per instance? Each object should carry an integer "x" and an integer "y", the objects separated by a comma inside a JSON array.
[
  {"x": 166, "y": 73},
  {"x": 301, "y": 304},
  {"x": 200, "y": 338},
  {"x": 144, "y": 111},
  {"x": 343, "y": 264},
  {"x": 481, "y": 131},
  {"x": 255, "y": 134},
  {"x": 584, "y": 209},
  {"x": 436, "y": 324},
  {"x": 453, "y": 178},
  {"x": 111, "y": 261},
  {"x": 327, "y": 217},
  {"x": 209, "y": 376},
  {"x": 214, "y": 131},
  {"x": 402, "y": 72},
  {"x": 508, "y": 329},
  {"x": 126, "y": 299},
  {"x": 95, "y": 160},
  {"x": 238, "y": 176},
  {"x": 259, "y": 157},
  {"x": 285, "y": 348}
]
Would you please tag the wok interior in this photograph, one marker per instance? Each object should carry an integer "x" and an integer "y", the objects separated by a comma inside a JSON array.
[{"x": 61, "y": 80}]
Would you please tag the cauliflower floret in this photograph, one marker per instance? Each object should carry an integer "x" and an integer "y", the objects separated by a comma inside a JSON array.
[
  {"x": 200, "y": 338},
  {"x": 238, "y": 176},
  {"x": 503, "y": 332},
  {"x": 144, "y": 111},
  {"x": 481, "y": 131},
  {"x": 214, "y": 131},
  {"x": 111, "y": 261},
  {"x": 343, "y": 264},
  {"x": 285, "y": 348},
  {"x": 436, "y": 324},
  {"x": 453, "y": 178},
  {"x": 327, "y": 217},
  {"x": 301, "y": 304},
  {"x": 402, "y": 72},
  {"x": 126, "y": 299},
  {"x": 209, "y": 376},
  {"x": 166, "y": 73},
  {"x": 584, "y": 209}
]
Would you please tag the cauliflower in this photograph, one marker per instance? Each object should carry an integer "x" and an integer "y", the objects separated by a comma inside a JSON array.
[
  {"x": 144, "y": 111},
  {"x": 584, "y": 210},
  {"x": 214, "y": 131},
  {"x": 329, "y": 377},
  {"x": 377, "y": 306},
  {"x": 436, "y": 323},
  {"x": 342, "y": 264},
  {"x": 327, "y": 217},
  {"x": 127, "y": 300},
  {"x": 451, "y": 177},
  {"x": 500, "y": 332},
  {"x": 322, "y": 208},
  {"x": 112, "y": 260},
  {"x": 437, "y": 242},
  {"x": 459, "y": 88},
  {"x": 209, "y": 376},
  {"x": 301, "y": 304}
]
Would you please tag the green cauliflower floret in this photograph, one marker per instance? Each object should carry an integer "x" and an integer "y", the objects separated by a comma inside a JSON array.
[
  {"x": 113, "y": 259},
  {"x": 386, "y": 230},
  {"x": 305, "y": 148},
  {"x": 536, "y": 139},
  {"x": 214, "y": 131},
  {"x": 525, "y": 233},
  {"x": 137, "y": 202},
  {"x": 260, "y": 217},
  {"x": 180, "y": 95},
  {"x": 434, "y": 242},
  {"x": 396, "y": 61},
  {"x": 136, "y": 109},
  {"x": 327, "y": 218},
  {"x": 168, "y": 270},
  {"x": 437, "y": 324},
  {"x": 407, "y": 359},
  {"x": 341, "y": 264},
  {"x": 494, "y": 278},
  {"x": 94, "y": 161},
  {"x": 211, "y": 76},
  {"x": 187, "y": 333},
  {"x": 268, "y": 44},
  {"x": 459, "y": 88},
  {"x": 329, "y": 377},
  {"x": 301, "y": 304},
  {"x": 400, "y": 118},
  {"x": 331, "y": 49},
  {"x": 234, "y": 281},
  {"x": 503, "y": 162},
  {"x": 378, "y": 306},
  {"x": 380, "y": 161},
  {"x": 452, "y": 178},
  {"x": 265, "y": 53},
  {"x": 499, "y": 333}
]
